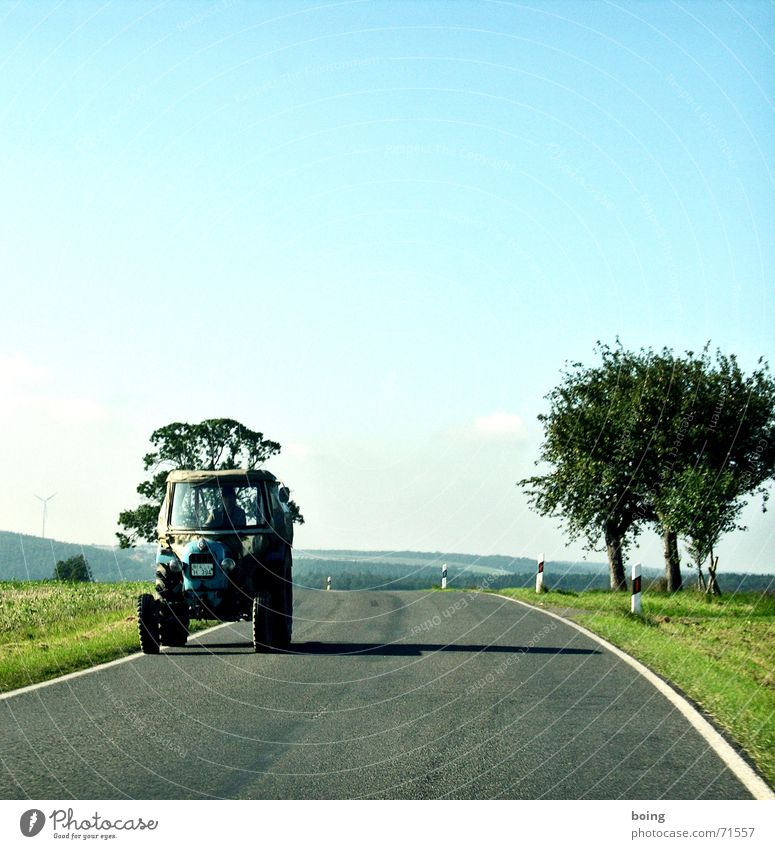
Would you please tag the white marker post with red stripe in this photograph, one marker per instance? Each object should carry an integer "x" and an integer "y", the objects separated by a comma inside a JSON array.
[
  {"x": 444, "y": 576},
  {"x": 540, "y": 574},
  {"x": 636, "y": 606}
]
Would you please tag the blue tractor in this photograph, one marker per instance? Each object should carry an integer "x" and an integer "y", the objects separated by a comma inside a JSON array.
[{"x": 224, "y": 553}]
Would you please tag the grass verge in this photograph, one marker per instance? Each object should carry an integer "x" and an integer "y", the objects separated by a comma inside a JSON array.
[
  {"x": 719, "y": 651},
  {"x": 50, "y": 628}
]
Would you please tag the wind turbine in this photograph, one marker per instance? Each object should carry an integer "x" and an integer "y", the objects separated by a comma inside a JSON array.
[{"x": 45, "y": 510}]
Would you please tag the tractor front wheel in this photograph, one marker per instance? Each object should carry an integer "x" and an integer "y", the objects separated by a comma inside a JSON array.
[{"x": 148, "y": 624}]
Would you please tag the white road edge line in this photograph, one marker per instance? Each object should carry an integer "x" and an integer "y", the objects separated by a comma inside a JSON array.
[
  {"x": 81, "y": 672},
  {"x": 755, "y": 785}
]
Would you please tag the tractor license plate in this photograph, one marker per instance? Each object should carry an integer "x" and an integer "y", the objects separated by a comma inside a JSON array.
[{"x": 201, "y": 570}]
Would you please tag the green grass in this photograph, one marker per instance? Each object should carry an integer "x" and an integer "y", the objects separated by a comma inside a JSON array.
[
  {"x": 718, "y": 651},
  {"x": 50, "y": 628}
]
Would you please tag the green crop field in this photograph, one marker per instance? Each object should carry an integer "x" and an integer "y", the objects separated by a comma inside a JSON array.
[
  {"x": 719, "y": 651},
  {"x": 50, "y": 628}
]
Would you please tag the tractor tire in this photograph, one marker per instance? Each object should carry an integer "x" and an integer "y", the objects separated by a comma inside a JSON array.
[
  {"x": 283, "y": 625},
  {"x": 263, "y": 622},
  {"x": 148, "y": 624},
  {"x": 173, "y": 627},
  {"x": 169, "y": 584}
]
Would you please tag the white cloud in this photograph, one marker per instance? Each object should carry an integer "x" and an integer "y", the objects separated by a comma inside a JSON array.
[
  {"x": 296, "y": 449},
  {"x": 387, "y": 394},
  {"x": 26, "y": 390},
  {"x": 75, "y": 410},
  {"x": 17, "y": 372},
  {"x": 500, "y": 425},
  {"x": 491, "y": 428}
]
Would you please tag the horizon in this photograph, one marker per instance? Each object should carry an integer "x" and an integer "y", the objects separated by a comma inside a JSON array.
[
  {"x": 373, "y": 233},
  {"x": 687, "y": 569}
]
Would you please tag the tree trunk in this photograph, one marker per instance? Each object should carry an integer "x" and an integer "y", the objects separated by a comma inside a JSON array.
[
  {"x": 713, "y": 587},
  {"x": 613, "y": 545},
  {"x": 701, "y": 585},
  {"x": 672, "y": 560}
]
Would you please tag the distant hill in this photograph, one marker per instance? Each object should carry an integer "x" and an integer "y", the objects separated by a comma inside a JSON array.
[
  {"x": 24, "y": 557},
  {"x": 403, "y": 570},
  {"x": 488, "y": 563},
  {"x": 475, "y": 563}
]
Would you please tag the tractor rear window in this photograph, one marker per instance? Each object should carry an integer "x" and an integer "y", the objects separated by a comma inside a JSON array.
[{"x": 212, "y": 507}]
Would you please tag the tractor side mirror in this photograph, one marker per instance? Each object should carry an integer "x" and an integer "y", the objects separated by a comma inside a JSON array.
[{"x": 283, "y": 494}]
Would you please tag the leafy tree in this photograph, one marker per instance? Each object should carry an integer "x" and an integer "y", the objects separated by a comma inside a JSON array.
[
  {"x": 710, "y": 509},
  {"x": 73, "y": 569},
  {"x": 211, "y": 444},
  {"x": 649, "y": 437},
  {"x": 593, "y": 442},
  {"x": 669, "y": 407},
  {"x": 714, "y": 448}
]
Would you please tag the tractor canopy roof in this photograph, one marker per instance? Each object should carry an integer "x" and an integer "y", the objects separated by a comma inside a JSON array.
[{"x": 221, "y": 477}]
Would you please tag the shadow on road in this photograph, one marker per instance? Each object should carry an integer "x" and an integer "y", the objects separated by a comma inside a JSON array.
[
  {"x": 386, "y": 649},
  {"x": 401, "y": 649}
]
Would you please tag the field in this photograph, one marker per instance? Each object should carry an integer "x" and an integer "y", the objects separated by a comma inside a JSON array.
[
  {"x": 50, "y": 628},
  {"x": 720, "y": 652}
]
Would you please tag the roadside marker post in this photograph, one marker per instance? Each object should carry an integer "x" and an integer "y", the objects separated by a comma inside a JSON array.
[
  {"x": 540, "y": 574},
  {"x": 636, "y": 606},
  {"x": 328, "y": 582},
  {"x": 444, "y": 576}
]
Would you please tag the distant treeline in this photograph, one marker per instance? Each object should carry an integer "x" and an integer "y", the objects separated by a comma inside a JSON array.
[
  {"x": 487, "y": 561},
  {"x": 360, "y": 575},
  {"x": 24, "y": 557},
  {"x": 349, "y": 576}
]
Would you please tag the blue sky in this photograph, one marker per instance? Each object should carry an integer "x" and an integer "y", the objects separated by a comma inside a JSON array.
[{"x": 374, "y": 231}]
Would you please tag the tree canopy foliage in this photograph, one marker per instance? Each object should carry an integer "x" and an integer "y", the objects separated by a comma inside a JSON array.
[
  {"x": 651, "y": 437},
  {"x": 210, "y": 444}
]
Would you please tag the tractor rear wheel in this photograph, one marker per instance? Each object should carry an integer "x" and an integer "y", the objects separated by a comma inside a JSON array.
[
  {"x": 283, "y": 625},
  {"x": 173, "y": 626},
  {"x": 263, "y": 622}
]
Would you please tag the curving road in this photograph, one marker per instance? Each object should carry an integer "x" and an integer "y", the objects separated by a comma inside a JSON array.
[{"x": 386, "y": 695}]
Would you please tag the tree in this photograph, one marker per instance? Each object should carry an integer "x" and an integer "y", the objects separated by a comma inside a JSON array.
[
  {"x": 593, "y": 442},
  {"x": 649, "y": 437},
  {"x": 716, "y": 449},
  {"x": 710, "y": 510},
  {"x": 211, "y": 444},
  {"x": 669, "y": 398},
  {"x": 73, "y": 569}
]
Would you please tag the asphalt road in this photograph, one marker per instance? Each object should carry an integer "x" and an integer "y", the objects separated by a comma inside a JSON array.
[{"x": 386, "y": 695}]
